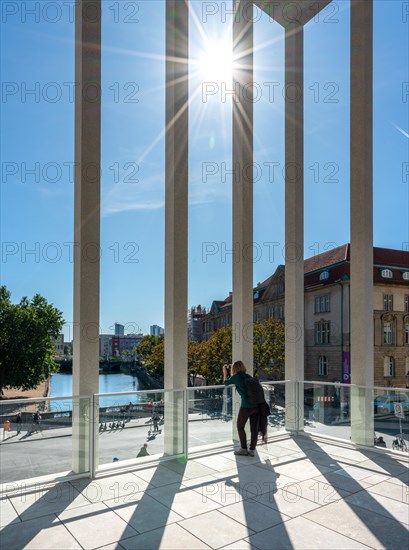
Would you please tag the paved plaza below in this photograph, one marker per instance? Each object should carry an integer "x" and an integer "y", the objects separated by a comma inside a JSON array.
[{"x": 297, "y": 492}]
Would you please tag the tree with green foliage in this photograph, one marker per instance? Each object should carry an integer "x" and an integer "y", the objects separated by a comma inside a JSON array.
[
  {"x": 218, "y": 352},
  {"x": 27, "y": 349},
  {"x": 269, "y": 347},
  {"x": 145, "y": 347},
  {"x": 196, "y": 359},
  {"x": 156, "y": 361}
]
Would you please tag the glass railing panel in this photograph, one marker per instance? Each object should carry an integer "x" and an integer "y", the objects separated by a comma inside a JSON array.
[
  {"x": 275, "y": 396},
  {"x": 137, "y": 425},
  {"x": 210, "y": 415},
  {"x": 37, "y": 437},
  {"x": 327, "y": 409},
  {"x": 391, "y": 418}
]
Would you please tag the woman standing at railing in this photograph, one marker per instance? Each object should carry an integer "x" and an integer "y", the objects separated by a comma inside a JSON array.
[{"x": 247, "y": 410}]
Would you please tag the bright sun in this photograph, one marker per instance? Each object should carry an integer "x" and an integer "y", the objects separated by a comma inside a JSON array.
[{"x": 216, "y": 63}]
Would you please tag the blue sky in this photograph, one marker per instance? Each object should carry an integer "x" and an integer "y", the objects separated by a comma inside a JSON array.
[{"x": 37, "y": 53}]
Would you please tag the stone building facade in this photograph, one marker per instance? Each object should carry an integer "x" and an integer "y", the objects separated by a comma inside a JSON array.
[{"x": 327, "y": 314}]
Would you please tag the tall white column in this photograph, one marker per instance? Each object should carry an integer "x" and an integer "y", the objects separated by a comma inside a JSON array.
[
  {"x": 242, "y": 182},
  {"x": 86, "y": 220},
  {"x": 294, "y": 225},
  {"x": 176, "y": 217},
  {"x": 362, "y": 339}
]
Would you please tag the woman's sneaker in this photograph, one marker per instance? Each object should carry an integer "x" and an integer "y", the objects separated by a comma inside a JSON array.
[
  {"x": 241, "y": 452},
  {"x": 251, "y": 452}
]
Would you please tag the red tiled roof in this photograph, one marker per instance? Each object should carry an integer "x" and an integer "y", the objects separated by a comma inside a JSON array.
[
  {"x": 396, "y": 260},
  {"x": 331, "y": 257},
  {"x": 337, "y": 260},
  {"x": 391, "y": 258}
]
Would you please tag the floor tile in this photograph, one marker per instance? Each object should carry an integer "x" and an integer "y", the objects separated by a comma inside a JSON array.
[
  {"x": 171, "y": 537},
  {"x": 353, "y": 472},
  {"x": 47, "y": 501},
  {"x": 343, "y": 482},
  {"x": 258, "y": 480},
  {"x": 288, "y": 504},
  {"x": 270, "y": 461},
  {"x": 43, "y": 533},
  {"x": 382, "y": 505},
  {"x": 294, "y": 444},
  {"x": 216, "y": 529},
  {"x": 344, "y": 453},
  {"x": 183, "y": 500},
  {"x": 95, "y": 525},
  {"x": 384, "y": 467},
  {"x": 199, "y": 482},
  {"x": 253, "y": 514},
  {"x": 361, "y": 524},
  {"x": 158, "y": 476},
  {"x": 190, "y": 469},
  {"x": 397, "y": 491},
  {"x": 302, "y": 534},
  {"x": 8, "y": 514},
  {"x": 114, "y": 546},
  {"x": 146, "y": 514},
  {"x": 121, "y": 487},
  {"x": 275, "y": 450},
  {"x": 316, "y": 491},
  {"x": 302, "y": 469},
  {"x": 330, "y": 461},
  {"x": 401, "y": 478},
  {"x": 239, "y": 545},
  {"x": 225, "y": 491},
  {"x": 217, "y": 462},
  {"x": 373, "y": 479}
]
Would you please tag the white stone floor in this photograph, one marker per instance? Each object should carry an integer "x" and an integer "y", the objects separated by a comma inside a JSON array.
[{"x": 295, "y": 493}]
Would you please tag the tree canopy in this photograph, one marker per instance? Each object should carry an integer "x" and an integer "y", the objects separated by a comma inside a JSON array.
[
  {"x": 207, "y": 358},
  {"x": 26, "y": 345}
]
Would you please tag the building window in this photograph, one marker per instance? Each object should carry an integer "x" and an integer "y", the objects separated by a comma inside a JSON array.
[
  {"x": 407, "y": 303},
  {"x": 322, "y": 366},
  {"x": 322, "y": 332},
  {"x": 322, "y": 304},
  {"x": 387, "y": 332},
  {"x": 389, "y": 367},
  {"x": 405, "y": 275},
  {"x": 324, "y": 275},
  {"x": 407, "y": 333},
  {"x": 388, "y": 302},
  {"x": 281, "y": 312},
  {"x": 387, "y": 273}
]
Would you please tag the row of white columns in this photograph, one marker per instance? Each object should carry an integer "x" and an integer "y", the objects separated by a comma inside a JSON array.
[{"x": 87, "y": 207}]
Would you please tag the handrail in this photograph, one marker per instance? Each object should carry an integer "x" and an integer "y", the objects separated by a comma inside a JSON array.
[
  {"x": 31, "y": 400},
  {"x": 36, "y": 399},
  {"x": 337, "y": 384}
]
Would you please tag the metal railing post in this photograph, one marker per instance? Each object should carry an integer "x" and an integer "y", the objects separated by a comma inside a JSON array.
[{"x": 186, "y": 424}]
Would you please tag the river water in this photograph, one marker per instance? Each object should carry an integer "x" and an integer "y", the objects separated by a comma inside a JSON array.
[{"x": 61, "y": 386}]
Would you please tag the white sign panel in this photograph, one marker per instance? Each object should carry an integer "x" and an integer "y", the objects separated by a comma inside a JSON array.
[{"x": 399, "y": 410}]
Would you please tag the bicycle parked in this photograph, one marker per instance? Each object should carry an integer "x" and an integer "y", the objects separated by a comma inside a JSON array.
[{"x": 399, "y": 444}]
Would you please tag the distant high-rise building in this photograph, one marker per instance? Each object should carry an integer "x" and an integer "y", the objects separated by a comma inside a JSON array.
[
  {"x": 119, "y": 329},
  {"x": 156, "y": 330}
]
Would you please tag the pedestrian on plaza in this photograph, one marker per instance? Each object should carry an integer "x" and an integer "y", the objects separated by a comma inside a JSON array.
[
  {"x": 143, "y": 451},
  {"x": 18, "y": 423},
  {"x": 316, "y": 410},
  {"x": 247, "y": 411},
  {"x": 155, "y": 421},
  {"x": 36, "y": 422}
]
